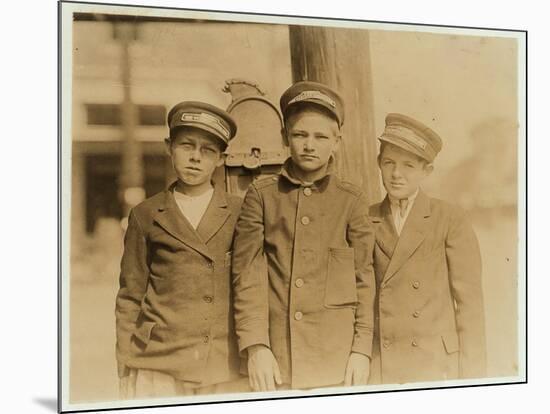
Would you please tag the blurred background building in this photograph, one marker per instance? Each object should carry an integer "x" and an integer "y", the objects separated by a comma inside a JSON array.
[
  {"x": 128, "y": 72},
  {"x": 128, "y": 75}
]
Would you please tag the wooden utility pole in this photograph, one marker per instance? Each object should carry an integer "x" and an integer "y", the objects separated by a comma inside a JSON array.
[
  {"x": 131, "y": 184},
  {"x": 340, "y": 58}
]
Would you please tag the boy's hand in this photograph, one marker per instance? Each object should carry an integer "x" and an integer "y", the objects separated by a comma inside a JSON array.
[
  {"x": 127, "y": 386},
  {"x": 357, "y": 370},
  {"x": 263, "y": 370}
]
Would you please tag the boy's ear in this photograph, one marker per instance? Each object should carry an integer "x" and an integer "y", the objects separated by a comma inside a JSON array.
[
  {"x": 284, "y": 136},
  {"x": 168, "y": 146},
  {"x": 337, "y": 144},
  {"x": 428, "y": 168},
  {"x": 221, "y": 161}
]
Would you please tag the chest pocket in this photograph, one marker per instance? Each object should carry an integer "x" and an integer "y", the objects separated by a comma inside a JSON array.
[{"x": 340, "y": 286}]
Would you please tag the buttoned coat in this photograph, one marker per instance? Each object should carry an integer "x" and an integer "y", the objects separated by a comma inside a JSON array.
[
  {"x": 429, "y": 305},
  {"x": 173, "y": 309},
  {"x": 303, "y": 276}
]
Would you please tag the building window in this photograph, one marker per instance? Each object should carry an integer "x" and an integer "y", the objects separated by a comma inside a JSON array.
[
  {"x": 102, "y": 189},
  {"x": 111, "y": 114},
  {"x": 151, "y": 114},
  {"x": 103, "y": 114}
]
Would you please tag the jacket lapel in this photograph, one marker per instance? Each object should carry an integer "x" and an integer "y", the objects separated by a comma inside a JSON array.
[
  {"x": 412, "y": 235},
  {"x": 215, "y": 216},
  {"x": 172, "y": 220},
  {"x": 386, "y": 235}
]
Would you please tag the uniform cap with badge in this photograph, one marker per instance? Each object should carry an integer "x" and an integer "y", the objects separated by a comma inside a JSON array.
[
  {"x": 203, "y": 116},
  {"x": 313, "y": 93},
  {"x": 412, "y": 136}
]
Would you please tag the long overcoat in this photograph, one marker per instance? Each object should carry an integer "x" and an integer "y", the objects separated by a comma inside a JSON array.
[{"x": 429, "y": 322}]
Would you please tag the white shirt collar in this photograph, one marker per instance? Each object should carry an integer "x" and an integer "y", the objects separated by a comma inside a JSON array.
[
  {"x": 411, "y": 198},
  {"x": 399, "y": 221}
]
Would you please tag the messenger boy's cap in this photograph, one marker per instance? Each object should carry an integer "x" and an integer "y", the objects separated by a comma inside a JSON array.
[
  {"x": 315, "y": 93},
  {"x": 203, "y": 116},
  {"x": 412, "y": 136}
]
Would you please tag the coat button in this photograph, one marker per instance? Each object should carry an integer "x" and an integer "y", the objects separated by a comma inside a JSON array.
[
  {"x": 305, "y": 220},
  {"x": 207, "y": 299},
  {"x": 416, "y": 284},
  {"x": 210, "y": 265},
  {"x": 414, "y": 343},
  {"x": 299, "y": 283},
  {"x": 386, "y": 344},
  {"x": 298, "y": 315},
  {"x": 416, "y": 314},
  {"x": 206, "y": 339},
  {"x": 307, "y": 191}
]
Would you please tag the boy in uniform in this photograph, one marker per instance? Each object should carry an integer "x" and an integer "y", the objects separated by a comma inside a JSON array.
[
  {"x": 429, "y": 311},
  {"x": 174, "y": 323},
  {"x": 306, "y": 321}
]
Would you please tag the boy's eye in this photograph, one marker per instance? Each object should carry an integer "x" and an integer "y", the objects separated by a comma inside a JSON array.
[
  {"x": 209, "y": 150},
  {"x": 186, "y": 145}
]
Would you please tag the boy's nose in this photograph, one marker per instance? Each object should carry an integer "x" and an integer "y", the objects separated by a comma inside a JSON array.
[
  {"x": 396, "y": 172},
  {"x": 196, "y": 154}
]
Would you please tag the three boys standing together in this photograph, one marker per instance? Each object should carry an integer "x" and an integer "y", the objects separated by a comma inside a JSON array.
[{"x": 302, "y": 286}]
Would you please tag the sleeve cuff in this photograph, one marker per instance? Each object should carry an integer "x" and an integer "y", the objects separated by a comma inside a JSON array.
[
  {"x": 253, "y": 334},
  {"x": 362, "y": 346}
]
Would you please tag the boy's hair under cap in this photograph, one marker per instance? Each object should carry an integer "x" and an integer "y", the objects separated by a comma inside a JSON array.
[
  {"x": 313, "y": 93},
  {"x": 411, "y": 135}
]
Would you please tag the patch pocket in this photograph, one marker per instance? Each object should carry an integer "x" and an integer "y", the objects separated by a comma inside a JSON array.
[
  {"x": 450, "y": 342},
  {"x": 340, "y": 286},
  {"x": 227, "y": 260},
  {"x": 142, "y": 334}
]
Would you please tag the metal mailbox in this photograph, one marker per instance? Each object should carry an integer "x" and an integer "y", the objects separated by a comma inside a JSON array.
[{"x": 258, "y": 149}]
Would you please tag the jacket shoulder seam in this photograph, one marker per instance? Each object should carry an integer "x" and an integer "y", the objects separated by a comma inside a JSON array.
[
  {"x": 266, "y": 182},
  {"x": 349, "y": 187}
]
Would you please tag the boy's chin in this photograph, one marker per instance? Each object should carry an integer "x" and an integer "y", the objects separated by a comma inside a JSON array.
[
  {"x": 308, "y": 166},
  {"x": 192, "y": 182},
  {"x": 399, "y": 194}
]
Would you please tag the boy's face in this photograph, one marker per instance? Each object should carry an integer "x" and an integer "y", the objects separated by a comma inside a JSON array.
[
  {"x": 195, "y": 155},
  {"x": 312, "y": 138},
  {"x": 402, "y": 171}
]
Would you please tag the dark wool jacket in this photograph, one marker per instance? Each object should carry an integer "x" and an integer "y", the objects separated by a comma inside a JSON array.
[
  {"x": 303, "y": 276},
  {"x": 173, "y": 309}
]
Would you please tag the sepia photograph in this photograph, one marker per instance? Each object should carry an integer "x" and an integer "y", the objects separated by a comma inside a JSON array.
[{"x": 261, "y": 206}]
